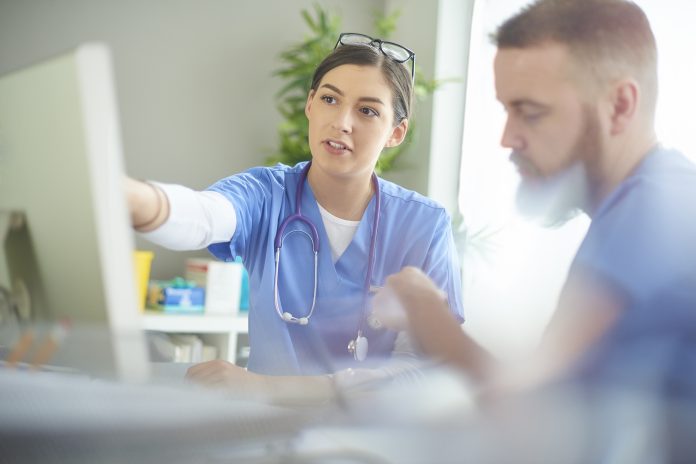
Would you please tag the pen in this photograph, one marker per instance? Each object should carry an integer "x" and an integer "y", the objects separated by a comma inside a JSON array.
[
  {"x": 20, "y": 348},
  {"x": 50, "y": 345}
]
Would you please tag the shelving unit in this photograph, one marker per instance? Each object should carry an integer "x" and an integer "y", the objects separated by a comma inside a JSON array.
[{"x": 219, "y": 331}]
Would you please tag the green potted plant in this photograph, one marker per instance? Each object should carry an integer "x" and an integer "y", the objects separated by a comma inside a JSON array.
[{"x": 300, "y": 61}]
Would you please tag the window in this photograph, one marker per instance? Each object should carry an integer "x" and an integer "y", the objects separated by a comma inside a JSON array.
[
  {"x": 513, "y": 270},
  {"x": 673, "y": 25}
]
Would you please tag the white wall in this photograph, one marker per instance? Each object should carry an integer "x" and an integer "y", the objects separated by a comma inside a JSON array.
[
  {"x": 438, "y": 31},
  {"x": 194, "y": 78},
  {"x": 451, "y": 65}
]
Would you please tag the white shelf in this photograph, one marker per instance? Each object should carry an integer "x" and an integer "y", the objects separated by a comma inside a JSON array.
[
  {"x": 194, "y": 323},
  {"x": 220, "y": 331}
]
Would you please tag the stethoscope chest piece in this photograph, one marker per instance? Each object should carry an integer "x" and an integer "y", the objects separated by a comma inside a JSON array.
[{"x": 358, "y": 346}]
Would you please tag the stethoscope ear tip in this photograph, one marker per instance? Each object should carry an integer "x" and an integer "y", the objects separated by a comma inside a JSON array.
[
  {"x": 303, "y": 321},
  {"x": 287, "y": 316}
]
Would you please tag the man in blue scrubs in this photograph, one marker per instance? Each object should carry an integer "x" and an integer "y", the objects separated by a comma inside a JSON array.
[
  {"x": 578, "y": 80},
  {"x": 614, "y": 377}
]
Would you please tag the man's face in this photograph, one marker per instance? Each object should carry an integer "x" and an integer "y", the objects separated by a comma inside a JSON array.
[{"x": 551, "y": 129}]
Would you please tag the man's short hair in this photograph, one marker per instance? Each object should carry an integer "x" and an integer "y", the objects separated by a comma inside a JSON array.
[{"x": 609, "y": 39}]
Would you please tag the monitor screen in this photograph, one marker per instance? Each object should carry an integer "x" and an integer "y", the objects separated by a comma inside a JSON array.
[{"x": 67, "y": 246}]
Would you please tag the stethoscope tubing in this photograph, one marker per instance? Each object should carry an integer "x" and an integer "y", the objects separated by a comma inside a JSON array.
[
  {"x": 371, "y": 255},
  {"x": 313, "y": 236}
]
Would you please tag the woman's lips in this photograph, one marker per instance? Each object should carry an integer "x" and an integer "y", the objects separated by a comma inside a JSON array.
[{"x": 336, "y": 148}]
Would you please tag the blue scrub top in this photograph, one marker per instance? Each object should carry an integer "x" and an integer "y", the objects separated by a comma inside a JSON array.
[
  {"x": 642, "y": 243},
  {"x": 413, "y": 231}
]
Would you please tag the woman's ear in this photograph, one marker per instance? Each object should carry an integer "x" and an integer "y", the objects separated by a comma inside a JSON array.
[
  {"x": 398, "y": 134},
  {"x": 308, "y": 105}
]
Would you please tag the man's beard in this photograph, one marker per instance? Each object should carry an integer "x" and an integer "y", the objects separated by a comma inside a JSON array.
[{"x": 554, "y": 200}]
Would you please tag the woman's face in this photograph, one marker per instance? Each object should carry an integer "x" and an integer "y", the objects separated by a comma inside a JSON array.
[{"x": 351, "y": 120}]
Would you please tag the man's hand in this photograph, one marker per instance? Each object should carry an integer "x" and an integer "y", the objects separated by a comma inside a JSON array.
[
  {"x": 405, "y": 292},
  {"x": 411, "y": 296}
]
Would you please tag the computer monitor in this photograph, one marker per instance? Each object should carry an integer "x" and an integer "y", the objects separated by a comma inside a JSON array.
[{"x": 67, "y": 245}]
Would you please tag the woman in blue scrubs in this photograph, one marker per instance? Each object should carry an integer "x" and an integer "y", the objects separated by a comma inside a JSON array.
[{"x": 362, "y": 227}]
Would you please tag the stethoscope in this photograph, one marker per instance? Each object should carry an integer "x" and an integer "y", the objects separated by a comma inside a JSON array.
[{"x": 359, "y": 345}]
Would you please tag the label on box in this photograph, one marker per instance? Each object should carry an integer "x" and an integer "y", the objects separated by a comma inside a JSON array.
[{"x": 222, "y": 282}]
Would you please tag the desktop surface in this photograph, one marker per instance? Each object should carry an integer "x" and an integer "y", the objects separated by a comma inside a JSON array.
[{"x": 56, "y": 417}]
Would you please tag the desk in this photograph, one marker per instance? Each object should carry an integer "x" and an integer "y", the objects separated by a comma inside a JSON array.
[{"x": 50, "y": 418}]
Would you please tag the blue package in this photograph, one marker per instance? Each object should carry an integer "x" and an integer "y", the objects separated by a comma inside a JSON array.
[
  {"x": 176, "y": 296},
  {"x": 182, "y": 299}
]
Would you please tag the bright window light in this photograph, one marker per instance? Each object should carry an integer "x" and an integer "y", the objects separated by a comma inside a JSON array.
[{"x": 513, "y": 270}]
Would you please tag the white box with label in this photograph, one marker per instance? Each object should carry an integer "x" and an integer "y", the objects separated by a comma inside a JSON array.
[{"x": 222, "y": 282}]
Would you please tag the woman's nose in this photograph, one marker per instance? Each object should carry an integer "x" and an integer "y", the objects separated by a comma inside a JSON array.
[{"x": 343, "y": 122}]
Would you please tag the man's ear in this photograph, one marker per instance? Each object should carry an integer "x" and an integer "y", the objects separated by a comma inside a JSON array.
[
  {"x": 624, "y": 105},
  {"x": 398, "y": 134},
  {"x": 308, "y": 105}
]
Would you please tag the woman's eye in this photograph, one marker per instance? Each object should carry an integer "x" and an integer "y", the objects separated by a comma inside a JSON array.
[
  {"x": 368, "y": 111},
  {"x": 328, "y": 99}
]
